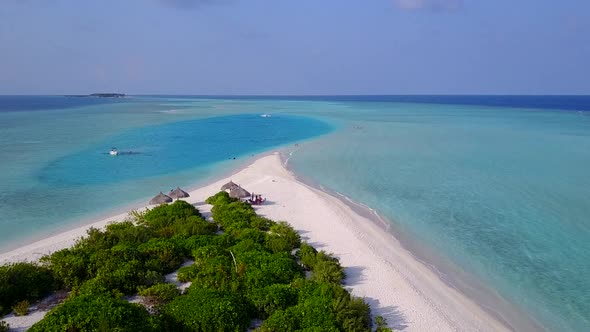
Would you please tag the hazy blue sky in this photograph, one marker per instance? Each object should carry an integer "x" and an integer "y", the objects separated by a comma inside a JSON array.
[{"x": 295, "y": 47}]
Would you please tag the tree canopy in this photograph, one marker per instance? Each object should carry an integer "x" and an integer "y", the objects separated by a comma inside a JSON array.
[{"x": 256, "y": 269}]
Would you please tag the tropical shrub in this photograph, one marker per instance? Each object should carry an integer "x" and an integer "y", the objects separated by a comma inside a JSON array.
[
  {"x": 160, "y": 293},
  {"x": 207, "y": 310},
  {"x": 271, "y": 298},
  {"x": 282, "y": 238},
  {"x": 21, "y": 308},
  {"x": 68, "y": 266},
  {"x": 328, "y": 271},
  {"x": 100, "y": 312},
  {"x": 352, "y": 313},
  {"x": 195, "y": 242},
  {"x": 220, "y": 198},
  {"x": 281, "y": 320},
  {"x": 24, "y": 281},
  {"x": 286, "y": 231},
  {"x": 127, "y": 232},
  {"x": 325, "y": 267},
  {"x": 218, "y": 273},
  {"x": 330, "y": 307},
  {"x": 94, "y": 287},
  {"x": 246, "y": 272},
  {"x": 261, "y": 223},
  {"x": 307, "y": 256},
  {"x": 264, "y": 269},
  {"x": 187, "y": 273},
  {"x": 233, "y": 216},
  {"x": 168, "y": 254},
  {"x": 193, "y": 225},
  {"x": 316, "y": 311},
  {"x": 381, "y": 325},
  {"x": 252, "y": 235},
  {"x": 163, "y": 218}
]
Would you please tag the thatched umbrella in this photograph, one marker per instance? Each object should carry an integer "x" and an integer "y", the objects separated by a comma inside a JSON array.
[
  {"x": 178, "y": 193},
  {"x": 238, "y": 192},
  {"x": 160, "y": 199},
  {"x": 228, "y": 185}
]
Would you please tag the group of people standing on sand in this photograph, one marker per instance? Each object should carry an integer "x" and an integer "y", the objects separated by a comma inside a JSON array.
[{"x": 256, "y": 199}]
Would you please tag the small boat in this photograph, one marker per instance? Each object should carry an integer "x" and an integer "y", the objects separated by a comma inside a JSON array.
[
  {"x": 265, "y": 115},
  {"x": 114, "y": 152}
]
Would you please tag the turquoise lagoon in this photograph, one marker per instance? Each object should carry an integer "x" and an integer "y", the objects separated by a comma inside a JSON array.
[
  {"x": 56, "y": 171},
  {"x": 497, "y": 187},
  {"x": 503, "y": 193}
]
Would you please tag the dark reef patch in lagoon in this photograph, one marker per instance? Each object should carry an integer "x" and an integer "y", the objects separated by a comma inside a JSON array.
[{"x": 178, "y": 146}]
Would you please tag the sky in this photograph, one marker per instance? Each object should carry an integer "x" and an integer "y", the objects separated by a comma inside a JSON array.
[{"x": 303, "y": 47}]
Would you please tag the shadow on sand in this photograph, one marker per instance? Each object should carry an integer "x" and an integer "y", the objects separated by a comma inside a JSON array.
[
  {"x": 267, "y": 202},
  {"x": 395, "y": 318}
]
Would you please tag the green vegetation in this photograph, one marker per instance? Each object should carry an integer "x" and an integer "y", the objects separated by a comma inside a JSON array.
[
  {"x": 254, "y": 269},
  {"x": 381, "y": 325},
  {"x": 205, "y": 310},
  {"x": 24, "y": 282},
  {"x": 97, "y": 312},
  {"x": 160, "y": 294},
  {"x": 21, "y": 308},
  {"x": 325, "y": 267}
]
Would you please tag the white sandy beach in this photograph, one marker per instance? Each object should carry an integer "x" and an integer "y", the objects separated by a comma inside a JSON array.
[{"x": 397, "y": 286}]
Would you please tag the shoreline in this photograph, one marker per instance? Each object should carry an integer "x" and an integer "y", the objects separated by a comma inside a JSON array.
[
  {"x": 452, "y": 275},
  {"x": 87, "y": 220},
  {"x": 397, "y": 285}
]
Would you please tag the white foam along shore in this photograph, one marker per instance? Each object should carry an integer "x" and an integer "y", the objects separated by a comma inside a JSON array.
[{"x": 396, "y": 285}]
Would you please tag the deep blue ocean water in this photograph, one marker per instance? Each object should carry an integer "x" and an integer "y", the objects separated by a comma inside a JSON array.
[
  {"x": 557, "y": 102},
  {"x": 45, "y": 103},
  {"x": 497, "y": 185}
]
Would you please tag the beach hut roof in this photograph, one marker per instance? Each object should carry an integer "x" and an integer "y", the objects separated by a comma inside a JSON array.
[
  {"x": 160, "y": 199},
  {"x": 238, "y": 192},
  {"x": 178, "y": 193},
  {"x": 228, "y": 185}
]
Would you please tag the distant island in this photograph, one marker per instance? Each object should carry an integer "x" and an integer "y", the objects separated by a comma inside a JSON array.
[{"x": 100, "y": 95}]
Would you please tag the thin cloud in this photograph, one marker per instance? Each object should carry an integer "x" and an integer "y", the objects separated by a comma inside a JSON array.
[{"x": 429, "y": 5}]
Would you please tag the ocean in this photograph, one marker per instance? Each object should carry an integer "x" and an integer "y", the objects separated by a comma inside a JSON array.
[
  {"x": 56, "y": 172},
  {"x": 497, "y": 186}
]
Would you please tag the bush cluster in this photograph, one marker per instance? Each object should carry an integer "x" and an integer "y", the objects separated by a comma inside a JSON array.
[
  {"x": 97, "y": 312},
  {"x": 123, "y": 259},
  {"x": 381, "y": 325},
  {"x": 21, "y": 308},
  {"x": 130, "y": 254},
  {"x": 24, "y": 282},
  {"x": 254, "y": 269},
  {"x": 324, "y": 267},
  {"x": 160, "y": 293}
]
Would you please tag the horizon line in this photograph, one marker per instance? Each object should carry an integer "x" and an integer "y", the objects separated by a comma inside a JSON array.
[{"x": 318, "y": 95}]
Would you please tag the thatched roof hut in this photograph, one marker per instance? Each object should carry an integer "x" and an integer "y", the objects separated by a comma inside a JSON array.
[
  {"x": 160, "y": 199},
  {"x": 238, "y": 192},
  {"x": 229, "y": 185},
  {"x": 178, "y": 193}
]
